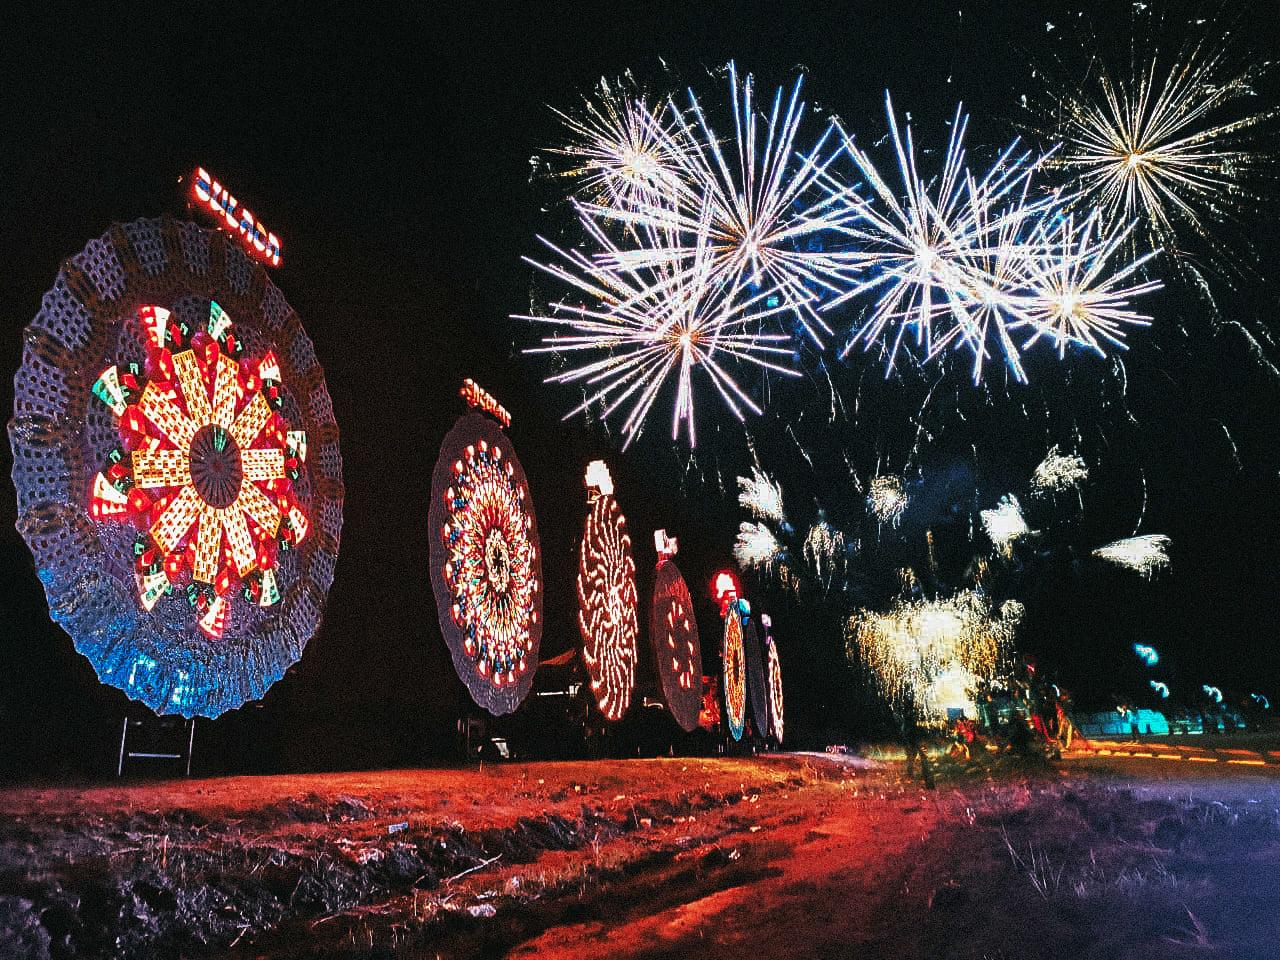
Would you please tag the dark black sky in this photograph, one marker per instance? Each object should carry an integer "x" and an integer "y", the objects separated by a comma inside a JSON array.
[{"x": 389, "y": 146}]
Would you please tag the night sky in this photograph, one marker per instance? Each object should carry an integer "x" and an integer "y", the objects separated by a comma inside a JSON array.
[{"x": 390, "y": 150}]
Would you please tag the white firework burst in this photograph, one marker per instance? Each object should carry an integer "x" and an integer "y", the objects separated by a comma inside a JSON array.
[
  {"x": 1058, "y": 472},
  {"x": 1005, "y": 524},
  {"x": 887, "y": 498},
  {"x": 760, "y": 495},
  {"x": 976, "y": 262},
  {"x": 653, "y": 325},
  {"x": 823, "y": 549},
  {"x": 756, "y": 546},
  {"x": 1144, "y": 555},
  {"x": 619, "y": 149},
  {"x": 940, "y": 249},
  {"x": 771, "y": 204},
  {"x": 1072, "y": 298}
]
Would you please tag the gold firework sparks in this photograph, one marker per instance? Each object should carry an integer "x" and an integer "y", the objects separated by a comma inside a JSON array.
[
  {"x": 1170, "y": 149},
  {"x": 920, "y": 652},
  {"x": 887, "y": 498},
  {"x": 618, "y": 148}
]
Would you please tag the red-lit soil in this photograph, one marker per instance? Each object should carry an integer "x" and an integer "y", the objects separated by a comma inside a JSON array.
[{"x": 771, "y": 857}]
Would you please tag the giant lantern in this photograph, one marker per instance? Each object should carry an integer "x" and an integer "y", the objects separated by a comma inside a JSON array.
[
  {"x": 486, "y": 569},
  {"x": 735, "y": 612},
  {"x": 607, "y": 597},
  {"x": 757, "y": 680},
  {"x": 177, "y": 467},
  {"x": 673, "y": 631},
  {"x": 774, "y": 671}
]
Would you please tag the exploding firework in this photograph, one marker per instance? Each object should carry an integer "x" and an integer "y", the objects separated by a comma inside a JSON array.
[
  {"x": 1169, "y": 148},
  {"x": 619, "y": 150},
  {"x": 887, "y": 498},
  {"x": 970, "y": 262},
  {"x": 984, "y": 293},
  {"x": 1058, "y": 472},
  {"x": 823, "y": 549},
  {"x": 919, "y": 651},
  {"x": 770, "y": 206},
  {"x": 1005, "y": 524},
  {"x": 761, "y": 496},
  {"x": 936, "y": 251},
  {"x": 756, "y": 546},
  {"x": 1145, "y": 555},
  {"x": 1073, "y": 299},
  {"x": 654, "y": 324}
]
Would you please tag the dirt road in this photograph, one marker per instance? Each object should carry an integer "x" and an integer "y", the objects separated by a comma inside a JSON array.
[{"x": 787, "y": 856}]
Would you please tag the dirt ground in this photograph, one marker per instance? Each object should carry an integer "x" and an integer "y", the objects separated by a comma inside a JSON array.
[{"x": 787, "y": 856}]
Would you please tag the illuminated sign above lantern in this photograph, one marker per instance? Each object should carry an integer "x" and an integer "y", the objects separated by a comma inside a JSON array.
[
  {"x": 480, "y": 398},
  {"x": 725, "y": 589},
  {"x": 598, "y": 478},
  {"x": 667, "y": 547},
  {"x": 217, "y": 199}
]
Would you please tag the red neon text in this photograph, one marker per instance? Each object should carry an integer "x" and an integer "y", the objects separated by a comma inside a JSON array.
[
  {"x": 481, "y": 399},
  {"x": 256, "y": 238}
]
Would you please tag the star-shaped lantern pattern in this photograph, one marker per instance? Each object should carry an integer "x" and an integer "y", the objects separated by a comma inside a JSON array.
[{"x": 205, "y": 466}]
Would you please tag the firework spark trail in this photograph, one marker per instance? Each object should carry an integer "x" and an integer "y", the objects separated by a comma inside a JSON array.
[
  {"x": 1166, "y": 148},
  {"x": 799, "y": 446},
  {"x": 653, "y": 325},
  {"x": 824, "y": 545},
  {"x": 761, "y": 214}
]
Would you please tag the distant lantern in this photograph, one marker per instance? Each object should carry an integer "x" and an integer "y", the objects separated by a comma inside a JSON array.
[
  {"x": 177, "y": 467},
  {"x": 757, "y": 678},
  {"x": 774, "y": 672},
  {"x": 733, "y": 657},
  {"x": 486, "y": 565},
  {"x": 607, "y": 597},
  {"x": 673, "y": 630}
]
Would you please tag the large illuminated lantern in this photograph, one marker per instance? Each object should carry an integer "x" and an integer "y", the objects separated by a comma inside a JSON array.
[
  {"x": 177, "y": 467},
  {"x": 486, "y": 568},
  {"x": 673, "y": 631},
  {"x": 757, "y": 681},
  {"x": 607, "y": 597},
  {"x": 774, "y": 673},
  {"x": 735, "y": 612}
]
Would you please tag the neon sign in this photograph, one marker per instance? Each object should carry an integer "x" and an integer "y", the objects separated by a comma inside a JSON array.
[
  {"x": 666, "y": 546},
  {"x": 598, "y": 479},
  {"x": 480, "y": 398},
  {"x": 211, "y": 194},
  {"x": 725, "y": 589}
]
